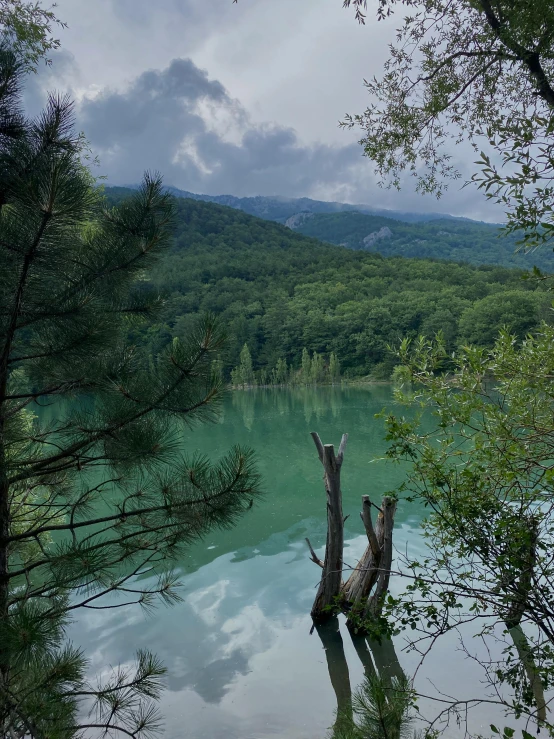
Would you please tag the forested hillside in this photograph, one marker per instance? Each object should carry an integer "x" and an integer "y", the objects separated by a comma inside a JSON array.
[
  {"x": 279, "y": 291},
  {"x": 461, "y": 241}
]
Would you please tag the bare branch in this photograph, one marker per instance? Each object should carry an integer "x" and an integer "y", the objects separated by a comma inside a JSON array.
[
  {"x": 318, "y": 445},
  {"x": 314, "y": 556}
]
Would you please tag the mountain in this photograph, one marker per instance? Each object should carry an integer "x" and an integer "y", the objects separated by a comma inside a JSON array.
[
  {"x": 459, "y": 241},
  {"x": 279, "y": 291},
  {"x": 390, "y": 233},
  {"x": 280, "y": 208}
]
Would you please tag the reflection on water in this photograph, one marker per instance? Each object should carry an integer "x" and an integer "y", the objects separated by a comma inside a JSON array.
[
  {"x": 240, "y": 658},
  {"x": 315, "y": 402},
  {"x": 378, "y": 659}
]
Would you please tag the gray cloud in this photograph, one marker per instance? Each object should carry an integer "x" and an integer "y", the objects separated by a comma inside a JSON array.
[
  {"x": 297, "y": 68},
  {"x": 61, "y": 75},
  {"x": 187, "y": 126}
]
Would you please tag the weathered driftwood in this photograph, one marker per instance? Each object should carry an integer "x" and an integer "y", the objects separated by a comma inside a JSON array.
[
  {"x": 361, "y": 596},
  {"x": 331, "y": 576}
]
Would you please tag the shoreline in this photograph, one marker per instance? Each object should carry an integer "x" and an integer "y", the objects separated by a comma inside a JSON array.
[{"x": 342, "y": 383}]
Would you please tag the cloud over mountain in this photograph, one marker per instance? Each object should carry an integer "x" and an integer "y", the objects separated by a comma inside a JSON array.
[
  {"x": 181, "y": 121},
  {"x": 186, "y": 125}
]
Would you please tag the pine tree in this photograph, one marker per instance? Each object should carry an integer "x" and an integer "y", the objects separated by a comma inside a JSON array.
[
  {"x": 87, "y": 500},
  {"x": 243, "y": 374},
  {"x": 334, "y": 368},
  {"x": 382, "y": 710},
  {"x": 306, "y": 366},
  {"x": 317, "y": 368},
  {"x": 246, "y": 371}
]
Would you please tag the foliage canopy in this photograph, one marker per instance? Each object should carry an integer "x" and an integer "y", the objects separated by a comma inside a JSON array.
[
  {"x": 475, "y": 70},
  {"x": 27, "y": 27},
  {"x": 485, "y": 472}
]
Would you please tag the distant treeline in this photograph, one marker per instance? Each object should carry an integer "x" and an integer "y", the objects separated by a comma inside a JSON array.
[
  {"x": 313, "y": 370},
  {"x": 280, "y": 292}
]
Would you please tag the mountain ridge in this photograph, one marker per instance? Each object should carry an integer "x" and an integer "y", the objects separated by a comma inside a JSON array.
[
  {"x": 280, "y": 208},
  {"x": 451, "y": 239}
]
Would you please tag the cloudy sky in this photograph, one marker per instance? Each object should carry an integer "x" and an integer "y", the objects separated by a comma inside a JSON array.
[{"x": 222, "y": 98}]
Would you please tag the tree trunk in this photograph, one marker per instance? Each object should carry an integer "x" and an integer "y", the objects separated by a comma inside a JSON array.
[
  {"x": 364, "y": 576},
  {"x": 525, "y": 654},
  {"x": 373, "y": 568},
  {"x": 372, "y": 572},
  {"x": 375, "y": 603},
  {"x": 516, "y": 611},
  {"x": 331, "y": 577}
]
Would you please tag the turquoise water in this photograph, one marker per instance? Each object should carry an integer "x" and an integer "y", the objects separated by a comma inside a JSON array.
[{"x": 241, "y": 661}]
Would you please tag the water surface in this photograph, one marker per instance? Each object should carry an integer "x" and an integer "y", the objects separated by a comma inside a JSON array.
[{"x": 241, "y": 661}]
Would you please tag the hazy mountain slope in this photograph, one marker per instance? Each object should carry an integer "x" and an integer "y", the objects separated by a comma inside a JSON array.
[{"x": 280, "y": 208}]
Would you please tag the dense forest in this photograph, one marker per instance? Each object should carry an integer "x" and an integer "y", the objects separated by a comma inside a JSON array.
[
  {"x": 281, "y": 292},
  {"x": 460, "y": 241}
]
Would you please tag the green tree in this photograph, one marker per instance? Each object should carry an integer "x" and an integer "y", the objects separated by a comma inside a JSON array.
[
  {"x": 485, "y": 472},
  {"x": 302, "y": 295},
  {"x": 87, "y": 499},
  {"x": 246, "y": 371},
  {"x": 480, "y": 323},
  {"x": 479, "y": 70},
  {"x": 27, "y": 27},
  {"x": 334, "y": 368},
  {"x": 243, "y": 374},
  {"x": 381, "y": 708},
  {"x": 317, "y": 368},
  {"x": 306, "y": 371},
  {"x": 401, "y": 375}
]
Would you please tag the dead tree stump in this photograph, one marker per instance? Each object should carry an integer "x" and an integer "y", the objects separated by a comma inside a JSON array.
[
  {"x": 331, "y": 576},
  {"x": 362, "y": 596}
]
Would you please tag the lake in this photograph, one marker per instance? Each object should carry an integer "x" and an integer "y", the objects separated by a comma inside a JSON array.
[{"x": 241, "y": 661}]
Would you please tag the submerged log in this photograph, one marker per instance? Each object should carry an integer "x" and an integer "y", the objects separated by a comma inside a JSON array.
[
  {"x": 331, "y": 577},
  {"x": 360, "y": 597},
  {"x": 364, "y": 591}
]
